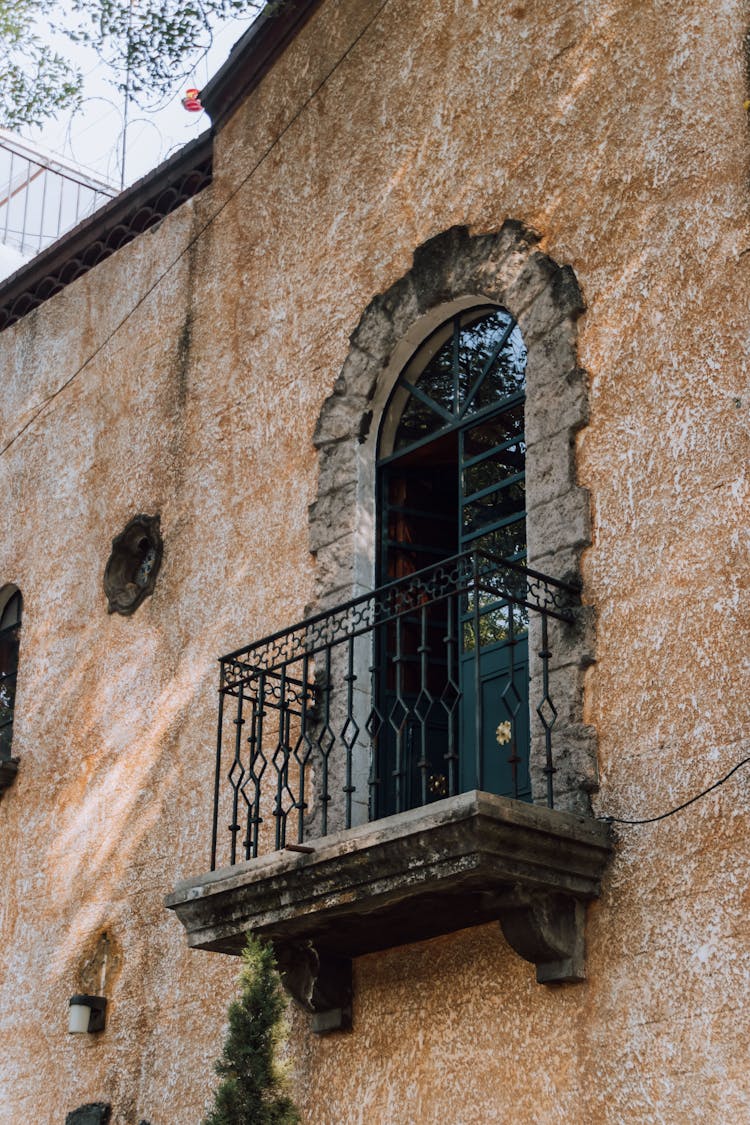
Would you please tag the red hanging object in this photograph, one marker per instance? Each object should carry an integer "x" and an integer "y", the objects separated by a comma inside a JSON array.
[{"x": 191, "y": 101}]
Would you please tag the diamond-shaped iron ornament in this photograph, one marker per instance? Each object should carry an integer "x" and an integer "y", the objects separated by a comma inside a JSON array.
[
  {"x": 398, "y": 715},
  {"x": 547, "y": 712},
  {"x": 326, "y": 740},
  {"x": 236, "y": 774},
  {"x": 511, "y": 698},
  {"x": 374, "y": 723},
  {"x": 350, "y": 732},
  {"x": 280, "y": 758},
  {"x": 303, "y": 749},
  {"x": 423, "y": 705},
  {"x": 450, "y": 696},
  {"x": 257, "y": 768}
]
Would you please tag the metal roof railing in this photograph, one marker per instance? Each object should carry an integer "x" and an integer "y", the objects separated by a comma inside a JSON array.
[{"x": 43, "y": 195}]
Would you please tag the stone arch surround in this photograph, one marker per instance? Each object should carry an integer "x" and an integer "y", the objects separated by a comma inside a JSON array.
[{"x": 450, "y": 272}]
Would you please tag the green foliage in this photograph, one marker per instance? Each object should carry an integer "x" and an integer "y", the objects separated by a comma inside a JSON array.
[
  {"x": 35, "y": 81},
  {"x": 253, "y": 1086},
  {"x": 150, "y": 47}
]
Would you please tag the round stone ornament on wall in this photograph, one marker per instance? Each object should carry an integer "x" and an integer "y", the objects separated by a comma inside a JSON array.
[{"x": 130, "y": 574}]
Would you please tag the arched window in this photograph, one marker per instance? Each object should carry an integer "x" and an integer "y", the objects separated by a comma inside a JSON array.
[
  {"x": 451, "y": 482},
  {"x": 10, "y": 625}
]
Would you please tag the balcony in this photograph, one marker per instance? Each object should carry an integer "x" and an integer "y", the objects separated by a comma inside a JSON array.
[{"x": 379, "y": 781}]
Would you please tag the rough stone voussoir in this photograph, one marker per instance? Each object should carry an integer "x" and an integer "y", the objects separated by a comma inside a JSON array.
[
  {"x": 552, "y": 357},
  {"x": 534, "y": 277},
  {"x": 545, "y": 311},
  {"x": 402, "y": 305},
  {"x": 563, "y": 412},
  {"x": 360, "y": 371},
  {"x": 339, "y": 420},
  {"x": 433, "y": 259},
  {"x": 331, "y": 515},
  {"x": 375, "y": 333}
]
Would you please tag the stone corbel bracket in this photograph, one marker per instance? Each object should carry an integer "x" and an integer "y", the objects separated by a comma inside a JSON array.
[
  {"x": 546, "y": 929},
  {"x": 320, "y": 983}
]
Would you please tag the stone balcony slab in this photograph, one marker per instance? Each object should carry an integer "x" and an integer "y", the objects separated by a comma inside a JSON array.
[{"x": 459, "y": 862}]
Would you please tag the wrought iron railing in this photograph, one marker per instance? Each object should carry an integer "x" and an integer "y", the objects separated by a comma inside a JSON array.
[{"x": 383, "y": 704}]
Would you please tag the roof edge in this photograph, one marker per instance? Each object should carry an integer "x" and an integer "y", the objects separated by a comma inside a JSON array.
[
  {"x": 253, "y": 56},
  {"x": 32, "y": 281}
]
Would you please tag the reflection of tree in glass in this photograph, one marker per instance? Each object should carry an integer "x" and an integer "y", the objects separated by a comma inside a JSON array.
[
  {"x": 498, "y": 505},
  {"x": 482, "y": 363},
  {"x": 491, "y": 350},
  {"x": 495, "y": 626},
  {"x": 506, "y": 542},
  {"x": 7, "y": 693},
  {"x": 6, "y": 704},
  {"x": 8, "y": 666}
]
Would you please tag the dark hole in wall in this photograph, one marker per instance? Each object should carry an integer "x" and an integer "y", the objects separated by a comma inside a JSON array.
[
  {"x": 93, "y": 1113},
  {"x": 132, "y": 568}
]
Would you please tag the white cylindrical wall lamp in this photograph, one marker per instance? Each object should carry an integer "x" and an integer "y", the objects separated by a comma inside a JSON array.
[{"x": 86, "y": 1014}]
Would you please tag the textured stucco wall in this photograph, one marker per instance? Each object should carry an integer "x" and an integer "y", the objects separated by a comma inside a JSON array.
[{"x": 615, "y": 129}]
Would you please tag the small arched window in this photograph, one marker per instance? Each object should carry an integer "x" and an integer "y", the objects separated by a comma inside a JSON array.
[{"x": 10, "y": 627}]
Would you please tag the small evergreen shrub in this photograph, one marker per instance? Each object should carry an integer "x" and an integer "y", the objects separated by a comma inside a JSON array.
[{"x": 253, "y": 1086}]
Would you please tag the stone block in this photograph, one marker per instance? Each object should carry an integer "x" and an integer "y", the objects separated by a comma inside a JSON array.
[
  {"x": 335, "y": 563},
  {"x": 332, "y": 515},
  {"x": 93, "y": 1113},
  {"x": 337, "y": 463},
  {"x": 536, "y": 274},
  {"x": 339, "y": 418},
  {"x": 559, "y": 299},
  {"x": 557, "y": 524},
  {"x": 375, "y": 333},
  {"x": 560, "y": 405},
  {"x": 550, "y": 465}
]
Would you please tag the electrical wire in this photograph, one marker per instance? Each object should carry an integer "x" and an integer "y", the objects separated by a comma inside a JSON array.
[
  {"x": 679, "y": 808},
  {"x": 199, "y": 234}
]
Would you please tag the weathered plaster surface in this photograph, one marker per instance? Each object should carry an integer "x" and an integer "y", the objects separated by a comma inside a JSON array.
[{"x": 617, "y": 131}]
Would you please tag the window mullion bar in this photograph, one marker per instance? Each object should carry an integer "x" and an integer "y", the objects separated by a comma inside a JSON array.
[
  {"x": 456, "y": 340},
  {"x": 413, "y": 388}
]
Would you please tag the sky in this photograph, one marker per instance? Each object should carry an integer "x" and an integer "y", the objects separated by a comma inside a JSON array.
[{"x": 92, "y": 136}]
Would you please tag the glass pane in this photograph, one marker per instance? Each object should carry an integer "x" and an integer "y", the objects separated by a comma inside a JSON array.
[
  {"x": 505, "y": 501},
  {"x": 478, "y": 354},
  {"x": 501, "y": 583},
  {"x": 506, "y": 375},
  {"x": 8, "y": 666},
  {"x": 11, "y": 614},
  {"x": 508, "y": 542},
  {"x": 417, "y": 421},
  {"x": 520, "y": 621},
  {"x": 494, "y": 627},
  {"x": 437, "y": 378},
  {"x": 508, "y": 463},
  {"x": 496, "y": 431},
  {"x": 417, "y": 530}
]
